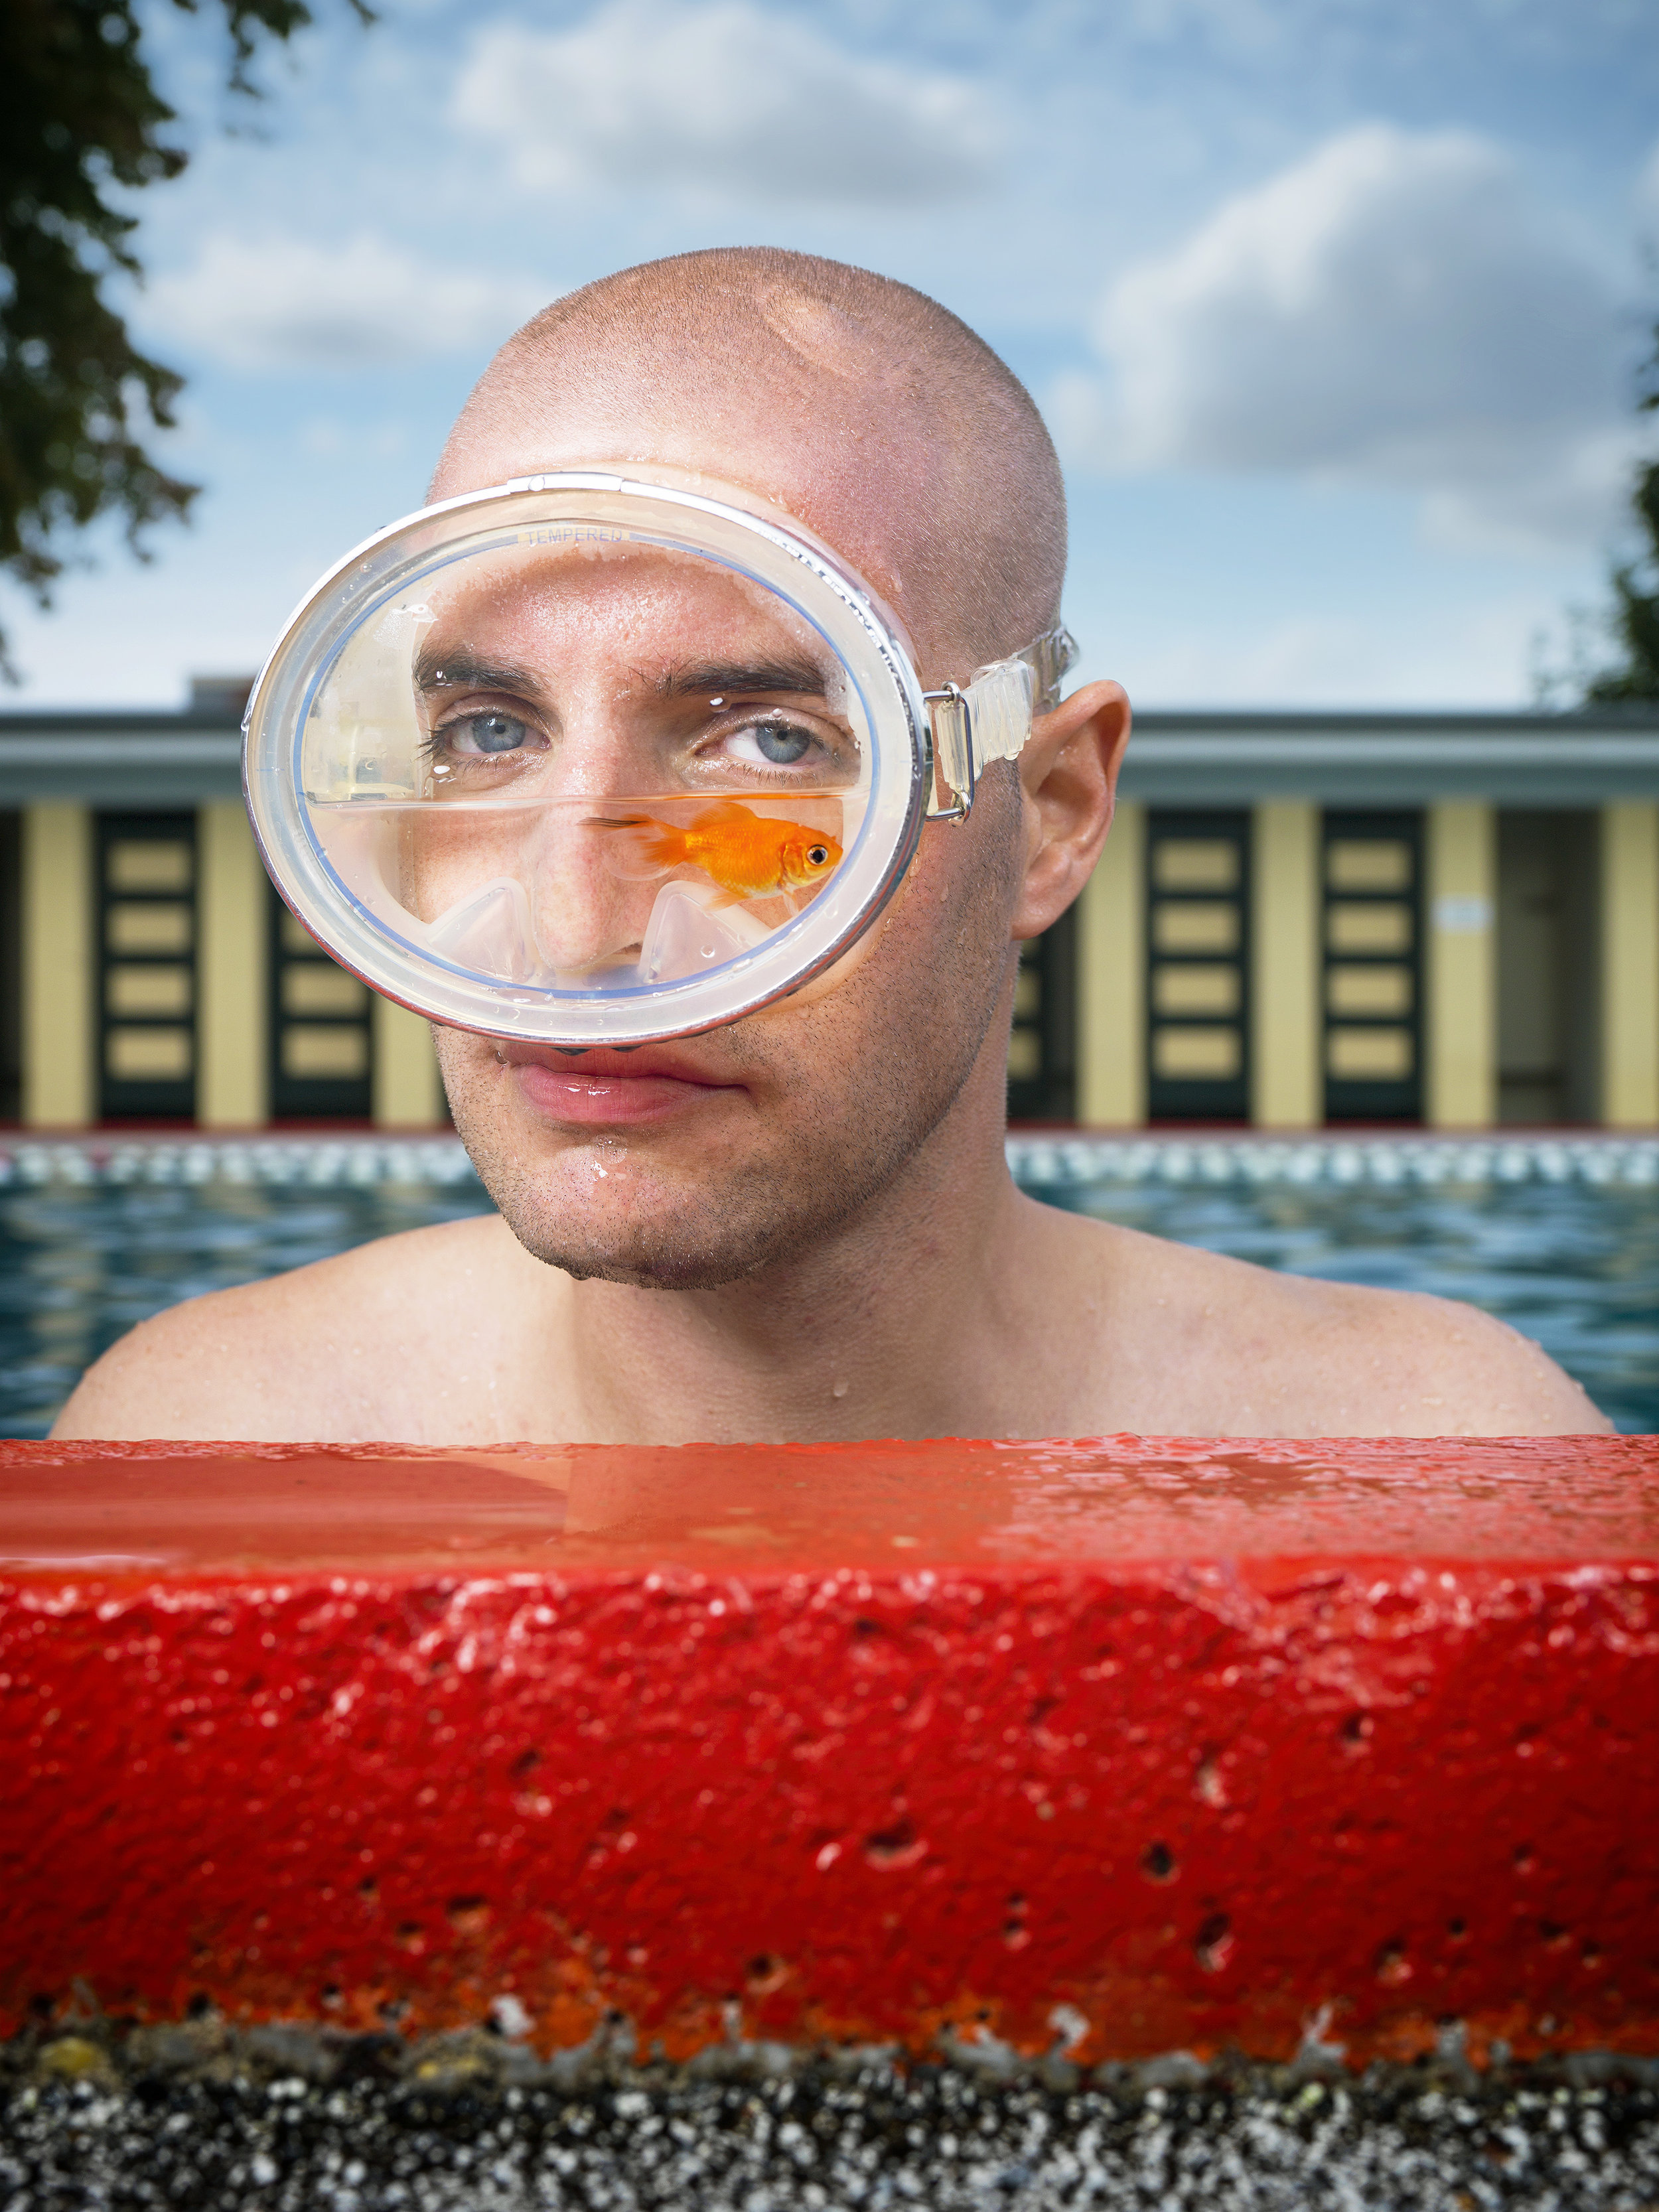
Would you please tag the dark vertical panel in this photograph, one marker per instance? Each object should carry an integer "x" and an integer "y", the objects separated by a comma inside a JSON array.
[
  {"x": 1198, "y": 965},
  {"x": 1531, "y": 984},
  {"x": 321, "y": 1041},
  {"x": 1043, "y": 1049},
  {"x": 1548, "y": 994},
  {"x": 1373, "y": 932},
  {"x": 144, "y": 879},
  {"x": 1580, "y": 963}
]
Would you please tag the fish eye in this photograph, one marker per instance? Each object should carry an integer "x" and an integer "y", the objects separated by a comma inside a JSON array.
[
  {"x": 484, "y": 735},
  {"x": 817, "y": 854}
]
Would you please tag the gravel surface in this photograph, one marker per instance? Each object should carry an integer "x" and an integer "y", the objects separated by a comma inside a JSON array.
[{"x": 282, "y": 2119}]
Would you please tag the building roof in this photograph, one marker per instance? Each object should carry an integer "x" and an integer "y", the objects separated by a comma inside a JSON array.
[{"x": 1370, "y": 760}]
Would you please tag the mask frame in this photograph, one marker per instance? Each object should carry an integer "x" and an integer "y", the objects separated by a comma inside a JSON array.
[{"x": 926, "y": 752}]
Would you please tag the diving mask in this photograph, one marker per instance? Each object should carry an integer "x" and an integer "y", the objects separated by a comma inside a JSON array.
[{"x": 585, "y": 759}]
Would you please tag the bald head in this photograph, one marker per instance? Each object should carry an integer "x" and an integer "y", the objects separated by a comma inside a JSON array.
[{"x": 862, "y": 408}]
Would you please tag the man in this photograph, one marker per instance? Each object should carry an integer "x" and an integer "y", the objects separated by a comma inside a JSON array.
[{"x": 801, "y": 1225}]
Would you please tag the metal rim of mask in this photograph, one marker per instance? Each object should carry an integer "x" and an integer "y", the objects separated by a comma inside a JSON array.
[{"x": 830, "y": 597}]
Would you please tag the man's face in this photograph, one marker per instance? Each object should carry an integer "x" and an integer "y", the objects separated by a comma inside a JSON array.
[
  {"x": 594, "y": 704},
  {"x": 585, "y": 712}
]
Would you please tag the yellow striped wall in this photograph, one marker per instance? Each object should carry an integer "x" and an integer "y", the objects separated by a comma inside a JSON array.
[{"x": 58, "y": 974}]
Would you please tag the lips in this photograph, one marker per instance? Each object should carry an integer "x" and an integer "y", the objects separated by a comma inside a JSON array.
[{"x": 593, "y": 1088}]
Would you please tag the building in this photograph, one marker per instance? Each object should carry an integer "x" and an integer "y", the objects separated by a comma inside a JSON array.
[{"x": 1451, "y": 919}]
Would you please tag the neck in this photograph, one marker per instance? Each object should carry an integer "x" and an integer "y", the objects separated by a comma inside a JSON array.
[{"x": 896, "y": 1324}]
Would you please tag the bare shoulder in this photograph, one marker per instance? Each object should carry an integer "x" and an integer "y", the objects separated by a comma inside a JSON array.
[
  {"x": 1241, "y": 1350},
  {"x": 1419, "y": 1365},
  {"x": 336, "y": 1351}
]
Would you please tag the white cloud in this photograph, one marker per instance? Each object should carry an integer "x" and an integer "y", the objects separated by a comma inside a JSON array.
[
  {"x": 722, "y": 97},
  {"x": 1389, "y": 311},
  {"x": 1471, "y": 656},
  {"x": 279, "y": 302}
]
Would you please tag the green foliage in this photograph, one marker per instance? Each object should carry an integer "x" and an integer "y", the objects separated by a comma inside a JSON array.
[
  {"x": 1634, "y": 620},
  {"x": 1635, "y": 617},
  {"x": 81, "y": 119}
]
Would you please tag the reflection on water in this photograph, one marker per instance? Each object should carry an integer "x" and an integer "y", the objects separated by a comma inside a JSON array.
[
  {"x": 791, "y": 1510},
  {"x": 1575, "y": 1265}
]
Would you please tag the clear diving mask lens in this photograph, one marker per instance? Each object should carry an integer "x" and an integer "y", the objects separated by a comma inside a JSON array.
[{"x": 585, "y": 759}]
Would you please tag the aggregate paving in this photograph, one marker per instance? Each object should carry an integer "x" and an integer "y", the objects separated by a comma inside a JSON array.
[{"x": 287, "y": 2120}]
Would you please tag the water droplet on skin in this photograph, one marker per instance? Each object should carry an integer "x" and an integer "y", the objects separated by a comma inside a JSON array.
[
  {"x": 609, "y": 1153},
  {"x": 839, "y": 1391}
]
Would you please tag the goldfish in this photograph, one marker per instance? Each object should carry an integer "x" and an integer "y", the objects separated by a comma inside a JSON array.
[{"x": 745, "y": 852}]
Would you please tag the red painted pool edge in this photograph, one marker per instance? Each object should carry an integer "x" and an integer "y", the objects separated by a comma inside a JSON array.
[{"x": 1132, "y": 1746}]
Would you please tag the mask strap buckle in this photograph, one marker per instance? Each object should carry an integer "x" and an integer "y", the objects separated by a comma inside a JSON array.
[
  {"x": 950, "y": 714},
  {"x": 992, "y": 718}
]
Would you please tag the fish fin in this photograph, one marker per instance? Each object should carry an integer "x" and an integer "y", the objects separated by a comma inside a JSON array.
[
  {"x": 722, "y": 814},
  {"x": 729, "y": 898}
]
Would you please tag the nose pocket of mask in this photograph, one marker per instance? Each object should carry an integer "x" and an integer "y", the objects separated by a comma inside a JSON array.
[
  {"x": 690, "y": 932},
  {"x": 490, "y": 934}
]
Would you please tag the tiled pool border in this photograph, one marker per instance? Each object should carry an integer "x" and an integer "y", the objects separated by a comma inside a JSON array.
[{"x": 1056, "y": 1158}]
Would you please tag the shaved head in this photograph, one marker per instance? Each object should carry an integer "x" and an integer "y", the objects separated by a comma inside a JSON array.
[{"x": 862, "y": 407}]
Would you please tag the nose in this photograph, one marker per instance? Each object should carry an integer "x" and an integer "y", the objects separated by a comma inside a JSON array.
[
  {"x": 525, "y": 881},
  {"x": 588, "y": 912}
]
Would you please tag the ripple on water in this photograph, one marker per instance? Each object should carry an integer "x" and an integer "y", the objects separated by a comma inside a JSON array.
[{"x": 1571, "y": 1259}]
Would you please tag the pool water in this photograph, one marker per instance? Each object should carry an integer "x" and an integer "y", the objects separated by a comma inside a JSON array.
[{"x": 1559, "y": 1238}]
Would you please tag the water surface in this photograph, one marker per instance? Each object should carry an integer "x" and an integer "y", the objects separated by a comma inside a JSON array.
[{"x": 92, "y": 1241}]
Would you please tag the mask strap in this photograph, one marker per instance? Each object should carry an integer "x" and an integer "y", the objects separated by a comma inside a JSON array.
[{"x": 992, "y": 720}]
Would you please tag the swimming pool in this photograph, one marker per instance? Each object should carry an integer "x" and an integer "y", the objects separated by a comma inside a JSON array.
[{"x": 1557, "y": 1235}]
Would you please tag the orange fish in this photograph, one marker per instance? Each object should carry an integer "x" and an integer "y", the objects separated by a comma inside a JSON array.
[{"x": 745, "y": 852}]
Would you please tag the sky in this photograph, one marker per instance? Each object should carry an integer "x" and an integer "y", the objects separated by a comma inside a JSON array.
[{"x": 1335, "y": 306}]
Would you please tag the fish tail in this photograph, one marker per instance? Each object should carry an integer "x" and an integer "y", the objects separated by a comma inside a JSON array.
[
  {"x": 657, "y": 844},
  {"x": 667, "y": 848},
  {"x": 668, "y": 844}
]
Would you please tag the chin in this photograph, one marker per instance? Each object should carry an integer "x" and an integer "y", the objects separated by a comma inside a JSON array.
[{"x": 658, "y": 1254}]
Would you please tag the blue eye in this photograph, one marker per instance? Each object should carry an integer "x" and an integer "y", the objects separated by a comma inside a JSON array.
[
  {"x": 778, "y": 744},
  {"x": 485, "y": 733}
]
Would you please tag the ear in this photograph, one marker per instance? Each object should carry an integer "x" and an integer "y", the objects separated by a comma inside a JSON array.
[{"x": 1068, "y": 783}]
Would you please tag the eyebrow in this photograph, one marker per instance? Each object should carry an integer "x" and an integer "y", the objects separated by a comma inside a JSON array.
[
  {"x": 440, "y": 671},
  {"x": 718, "y": 677}
]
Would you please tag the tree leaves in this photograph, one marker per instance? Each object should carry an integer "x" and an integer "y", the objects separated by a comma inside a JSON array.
[
  {"x": 80, "y": 117},
  {"x": 1634, "y": 619}
]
